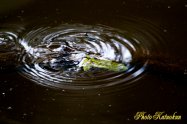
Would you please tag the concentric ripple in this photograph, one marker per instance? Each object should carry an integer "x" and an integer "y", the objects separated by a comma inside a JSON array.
[
  {"x": 51, "y": 55},
  {"x": 8, "y": 48},
  {"x": 7, "y": 42}
]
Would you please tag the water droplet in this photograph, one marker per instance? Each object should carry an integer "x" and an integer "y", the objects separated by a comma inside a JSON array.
[
  {"x": 147, "y": 6},
  {"x": 165, "y": 30},
  {"x": 185, "y": 72},
  {"x": 46, "y": 17},
  {"x": 67, "y": 110},
  {"x": 108, "y": 111},
  {"x": 57, "y": 9},
  {"x": 10, "y": 89},
  {"x": 9, "y": 108},
  {"x": 75, "y": 119},
  {"x": 24, "y": 115},
  {"x": 5, "y": 81},
  {"x": 22, "y": 11}
]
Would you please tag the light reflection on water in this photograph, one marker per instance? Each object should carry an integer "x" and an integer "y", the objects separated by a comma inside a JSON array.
[
  {"x": 56, "y": 51},
  {"x": 49, "y": 55},
  {"x": 22, "y": 100}
]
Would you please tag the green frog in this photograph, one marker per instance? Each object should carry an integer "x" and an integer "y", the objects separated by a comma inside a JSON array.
[{"x": 87, "y": 63}]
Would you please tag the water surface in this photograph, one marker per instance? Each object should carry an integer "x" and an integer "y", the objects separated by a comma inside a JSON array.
[{"x": 40, "y": 81}]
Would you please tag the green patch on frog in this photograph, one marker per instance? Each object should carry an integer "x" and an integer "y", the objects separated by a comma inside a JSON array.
[{"x": 88, "y": 63}]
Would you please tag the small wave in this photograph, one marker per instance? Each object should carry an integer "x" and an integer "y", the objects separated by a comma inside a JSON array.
[{"x": 51, "y": 55}]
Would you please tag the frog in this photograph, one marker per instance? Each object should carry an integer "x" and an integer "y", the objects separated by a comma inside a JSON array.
[{"x": 88, "y": 62}]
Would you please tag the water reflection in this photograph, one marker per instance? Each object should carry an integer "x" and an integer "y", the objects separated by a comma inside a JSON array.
[
  {"x": 22, "y": 100},
  {"x": 51, "y": 55},
  {"x": 7, "y": 42},
  {"x": 8, "y": 49}
]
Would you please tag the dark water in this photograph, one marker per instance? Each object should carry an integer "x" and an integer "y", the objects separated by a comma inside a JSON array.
[{"x": 42, "y": 43}]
